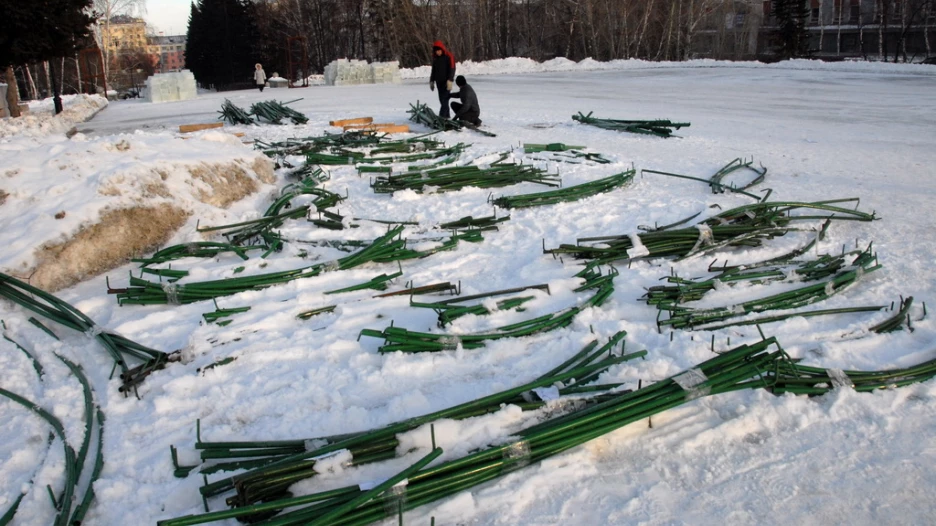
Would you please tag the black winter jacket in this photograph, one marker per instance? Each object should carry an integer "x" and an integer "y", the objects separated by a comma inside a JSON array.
[
  {"x": 442, "y": 70},
  {"x": 469, "y": 101}
]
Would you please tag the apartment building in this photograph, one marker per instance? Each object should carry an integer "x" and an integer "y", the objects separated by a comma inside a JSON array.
[{"x": 170, "y": 50}]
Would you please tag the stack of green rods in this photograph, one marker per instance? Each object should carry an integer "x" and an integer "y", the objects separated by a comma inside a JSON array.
[
  {"x": 274, "y": 112},
  {"x": 143, "y": 292},
  {"x": 458, "y": 177},
  {"x": 401, "y": 339},
  {"x": 234, "y": 115},
  {"x": 571, "y": 193},
  {"x": 746, "y": 225},
  {"x": 659, "y": 127},
  {"x": 686, "y": 290},
  {"x": 687, "y": 317},
  {"x": 122, "y": 350},
  {"x": 739, "y": 368}
]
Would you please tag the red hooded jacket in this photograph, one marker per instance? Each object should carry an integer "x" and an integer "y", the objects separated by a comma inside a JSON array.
[
  {"x": 443, "y": 67},
  {"x": 446, "y": 52}
]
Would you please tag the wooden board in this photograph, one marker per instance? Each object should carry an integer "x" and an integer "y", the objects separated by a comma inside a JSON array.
[
  {"x": 186, "y": 128},
  {"x": 345, "y": 122}
]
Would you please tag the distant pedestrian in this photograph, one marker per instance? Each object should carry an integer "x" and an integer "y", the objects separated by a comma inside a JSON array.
[
  {"x": 468, "y": 109},
  {"x": 259, "y": 77},
  {"x": 443, "y": 72}
]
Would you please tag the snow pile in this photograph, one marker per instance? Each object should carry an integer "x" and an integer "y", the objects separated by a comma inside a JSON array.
[
  {"x": 41, "y": 119},
  {"x": 92, "y": 203}
]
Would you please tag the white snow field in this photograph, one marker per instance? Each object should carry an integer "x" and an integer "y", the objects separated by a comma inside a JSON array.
[{"x": 823, "y": 131}]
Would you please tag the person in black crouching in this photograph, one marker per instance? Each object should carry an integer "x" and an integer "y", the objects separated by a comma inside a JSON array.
[{"x": 467, "y": 110}]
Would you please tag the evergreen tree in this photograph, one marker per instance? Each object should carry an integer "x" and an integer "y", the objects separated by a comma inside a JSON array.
[
  {"x": 40, "y": 30},
  {"x": 221, "y": 44},
  {"x": 792, "y": 34}
]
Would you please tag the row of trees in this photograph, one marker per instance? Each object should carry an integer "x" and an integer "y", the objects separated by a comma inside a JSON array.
[
  {"x": 226, "y": 37},
  {"x": 381, "y": 30}
]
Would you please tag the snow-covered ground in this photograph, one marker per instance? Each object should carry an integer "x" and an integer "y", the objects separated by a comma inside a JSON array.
[{"x": 823, "y": 131}]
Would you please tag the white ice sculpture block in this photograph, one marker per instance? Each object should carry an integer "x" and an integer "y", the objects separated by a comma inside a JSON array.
[
  {"x": 167, "y": 87},
  {"x": 343, "y": 72}
]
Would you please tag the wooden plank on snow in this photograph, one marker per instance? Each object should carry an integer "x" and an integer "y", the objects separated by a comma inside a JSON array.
[
  {"x": 186, "y": 128},
  {"x": 345, "y": 122}
]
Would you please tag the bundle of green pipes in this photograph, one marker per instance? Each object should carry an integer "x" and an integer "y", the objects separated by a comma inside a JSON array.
[
  {"x": 300, "y": 146},
  {"x": 234, "y": 115},
  {"x": 571, "y": 193},
  {"x": 219, "y": 313},
  {"x": 399, "y": 339},
  {"x": 556, "y": 148},
  {"x": 757, "y": 365},
  {"x": 341, "y": 156},
  {"x": 275, "y": 465},
  {"x": 272, "y": 111},
  {"x": 449, "y": 312},
  {"x": 274, "y": 217},
  {"x": 323, "y": 198},
  {"x": 427, "y": 153},
  {"x": 423, "y": 114},
  {"x": 813, "y": 381},
  {"x": 122, "y": 350},
  {"x": 746, "y": 225},
  {"x": 74, "y": 464},
  {"x": 310, "y": 173},
  {"x": 550, "y": 147},
  {"x": 896, "y": 322},
  {"x": 387, "y": 248},
  {"x": 715, "y": 182},
  {"x": 275, "y": 111},
  {"x": 471, "y": 223},
  {"x": 411, "y": 145},
  {"x": 197, "y": 249},
  {"x": 684, "y": 290},
  {"x": 458, "y": 177},
  {"x": 689, "y": 318},
  {"x": 557, "y": 153},
  {"x": 660, "y": 127}
]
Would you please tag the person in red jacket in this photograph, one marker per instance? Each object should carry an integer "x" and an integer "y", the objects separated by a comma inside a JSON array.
[{"x": 443, "y": 73}]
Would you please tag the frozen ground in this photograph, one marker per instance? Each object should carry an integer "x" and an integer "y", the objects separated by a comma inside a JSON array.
[{"x": 823, "y": 132}]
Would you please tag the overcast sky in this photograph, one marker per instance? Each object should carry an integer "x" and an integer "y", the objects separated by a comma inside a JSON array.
[{"x": 168, "y": 16}]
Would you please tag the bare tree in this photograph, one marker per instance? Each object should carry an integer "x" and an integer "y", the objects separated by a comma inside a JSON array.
[
  {"x": 928, "y": 12},
  {"x": 105, "y": 11}
]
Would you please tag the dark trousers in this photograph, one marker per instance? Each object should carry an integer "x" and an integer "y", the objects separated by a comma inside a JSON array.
[
  {"x": 443, "y": 100},
  {"x": 261, "y": 87},
  {"x": 471, "y": 116}
]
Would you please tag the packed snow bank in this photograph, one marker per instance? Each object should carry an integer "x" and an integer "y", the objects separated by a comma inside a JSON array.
[
  {"x": 42, "y": 119},
  {"x": 526, "y": 65},
  {"x": 93, "y": 203}
]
